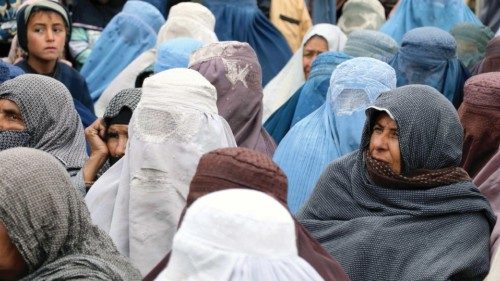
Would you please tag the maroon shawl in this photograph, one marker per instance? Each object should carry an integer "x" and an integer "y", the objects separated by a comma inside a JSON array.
[
  {"x": 234, "y": 70},
  {"x": 480, "y": 117},
  {"x": 491, "y": 61},
  {"x": 244, "y": 168}
]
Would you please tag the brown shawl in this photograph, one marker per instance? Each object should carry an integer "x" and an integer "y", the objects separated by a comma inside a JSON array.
[
  {"x": 491, "y": 61},
  {"x": 480, "y": 117},
  {"x": 243, "y": 168}
]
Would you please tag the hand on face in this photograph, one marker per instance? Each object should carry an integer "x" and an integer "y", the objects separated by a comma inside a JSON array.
[{"x": 95, "y": 135}]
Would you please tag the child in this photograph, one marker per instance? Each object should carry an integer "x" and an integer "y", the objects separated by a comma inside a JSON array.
[{"x": 42, "y": 29}]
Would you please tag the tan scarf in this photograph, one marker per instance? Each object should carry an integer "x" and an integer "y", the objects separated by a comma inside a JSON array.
[{"x": 382, "y": 174}]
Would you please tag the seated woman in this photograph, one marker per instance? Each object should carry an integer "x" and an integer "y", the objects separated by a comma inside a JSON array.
[
  {"x": 45, "y": 229},
  {"x": 108, "y": 137},
  {"x": 400, "y": 208}
]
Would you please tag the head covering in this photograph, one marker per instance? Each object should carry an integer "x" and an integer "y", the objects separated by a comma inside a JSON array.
[
  {"x": 138, "y": 201},
  {"x": 307, "y": 98},
  {"x": 491, "y": 60},
  {"x": 222, "y": 238},
  {"x": 49, "y": 114},
  {"x": 25, "y": 12},
  {"x": 186, "y": 20},
  {"x": 92, "y": 14},
  {"x": 370, "y": 43},
  {"x": 9, "y": 71},
  {"x": 360, "y": 15},
  {"x": 243, "y": 21},
  {"x": 411, "y": 14},
  {"x": 175, "y": 53},
  {"x": 480, "y": 117},
  {"x": 334, "y": 129},
  {"x": 232, "y": 67},
  {"x": 291, "y": 77},
  {"x": 488, "y": 182},
  {"x": 47, "y": 221},
  {"x": 401, "y": 233},
  {"x": 126, "y": 36},
  {"x": 428, "y": 56},
  {"x": 471, "y": 42},
  {"x": 487, "y": 12},
  {"x": 128, "y": 98}
]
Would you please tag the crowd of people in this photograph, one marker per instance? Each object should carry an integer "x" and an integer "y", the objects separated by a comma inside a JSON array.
[{"x": 250, "y": 140}]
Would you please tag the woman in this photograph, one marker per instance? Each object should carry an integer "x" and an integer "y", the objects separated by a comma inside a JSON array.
[
  {"x": 333, "y": 130},
  {"x": 471, "y": 42},
  {"x": 222, "y": 238},
  {"x": 372, "y": 44},
  {"x": 234, "y": 70},
  {"x": 480, "y": 117},
  {"x": 361, "y": 15},
  {"x": 237, "y": 167},
  {"x": 108, "y": 137},
  {"x": 307, "y": 98},
  {"x": 187, "y": 20},
  {"x": 428, "y": 56},
  {"x": 411, "y": 14},
  {"x": 399, "y": 207},
  {"x": 45, "y": 229},
  {"x": 320, "y": 38},
  {"x": 138, "y": 201},
  {"x": 491, "y": 60},
  {"x": 126, "y": 36}
]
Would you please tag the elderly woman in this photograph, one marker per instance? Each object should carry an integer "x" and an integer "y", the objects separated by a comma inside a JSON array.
[
  {"x": 400, "y": 208},
  {"x": 45, "y": 229},
  {"x": 108, "y": 137}
]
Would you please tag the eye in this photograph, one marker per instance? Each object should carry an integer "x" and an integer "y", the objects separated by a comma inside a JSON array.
[
  {"x": 38, "y": 30},
  {"x": 14, "y": 117},
  {"x": 112, "y": 135},
  {"x": 58, "y": 29},
  {"x": 377, "y": 129}
]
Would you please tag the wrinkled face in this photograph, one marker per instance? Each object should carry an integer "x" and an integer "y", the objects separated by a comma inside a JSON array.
[
  {"x": 12, "y": 265},
  {"x": 312, "y": 48},
  {"x": 46, "y": 36},
  {"x": 384, "y": 142},
  {"x": 10, "y": 116},
  {"x": 117, "y": 137}
]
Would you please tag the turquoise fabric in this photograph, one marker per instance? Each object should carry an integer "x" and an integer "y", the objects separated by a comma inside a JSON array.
[
  {"x": 175, "y": 53},
  {"x": 334, "y": 129},
  {"x": 127, "y": 35},
  {"x": 418, "y": 13}
]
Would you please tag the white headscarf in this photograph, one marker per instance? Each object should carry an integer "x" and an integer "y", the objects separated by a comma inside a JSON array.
[
  {"x": 138, "y": 201},
  {"x": 237, "y": 234},
  {"x": 291, "y": 77},
  {"x": 191, "y": 20}
]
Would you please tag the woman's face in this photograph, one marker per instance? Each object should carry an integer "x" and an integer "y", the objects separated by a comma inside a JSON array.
[
  {"x": 12, "y": 265},
  {"x": 384, "y": 142},
  {"x": 312, "y": 48},
  {"x": 117, "y": 137}
]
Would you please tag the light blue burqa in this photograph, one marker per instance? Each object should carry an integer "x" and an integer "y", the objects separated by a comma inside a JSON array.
[
  {"x": 418, "y": 13},
  {"x": 334, "y": 129},
  {"x": 428, "y": 56},
  {"x": 175, "y": 53},
  {"x": 130, "y": 33}
]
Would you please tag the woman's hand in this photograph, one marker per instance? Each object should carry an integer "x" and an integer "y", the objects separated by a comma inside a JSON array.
[{"x": 99, "y": 153}]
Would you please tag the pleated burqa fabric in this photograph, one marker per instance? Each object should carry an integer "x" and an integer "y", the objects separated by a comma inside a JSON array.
[
  {"x": 234, "y": 70},
  {"x": 428, "y": 56},
  {"x": 139, "y": 200},
  {"x": 292, "y": 76},
  {"x": 491, "y": 60},
  {"x": 480, "y": 117},
  {"x": 411, "y": 14},
  {"x": 307, "y": 98},
  {"x": 125, "y": 37},
  {"x": 471, "y": 42},
  {"x": 361, "y": 15},
  {"x": 49, "y": 224},
  {"x": 372, "y": 44},
  {"x": 243, "y": 21},
  {"x": 334, "y": 129},
  {"x": 397, "y": 232},
  {"x": 188, "y": 20}
]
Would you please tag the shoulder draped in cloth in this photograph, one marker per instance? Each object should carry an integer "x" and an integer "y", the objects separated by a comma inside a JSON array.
[
  {"x": 398, "y": 232},
  {"x": 49, "y": 224}
]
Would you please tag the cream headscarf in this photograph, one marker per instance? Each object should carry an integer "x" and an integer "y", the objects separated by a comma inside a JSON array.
[
  {"x": 139, "y": 200},
  {"x": 291, "y": 77}
]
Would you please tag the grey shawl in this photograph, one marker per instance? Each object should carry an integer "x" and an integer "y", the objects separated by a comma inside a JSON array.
[
  {"x": 381, "y": 233},
  {"x": 48, "y": 222},
  {"x": 50, "y": 116},
  {"x": 124, "y": 98}
]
